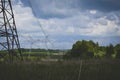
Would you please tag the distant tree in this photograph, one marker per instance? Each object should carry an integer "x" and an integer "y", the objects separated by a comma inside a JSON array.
[
  {"x": 102, "y": 48},
  {"x": 117, "y": 49},
  {"x": 89, "y": 49},
  {"x": 118, "y": 54},
  {"x": 76, "y": 49},
  {"x": 67, "y": 55},
  {"x": 83, "y": 49},
  {"x": 101, "y": 51},
  {"x": 109, "y": 51}
]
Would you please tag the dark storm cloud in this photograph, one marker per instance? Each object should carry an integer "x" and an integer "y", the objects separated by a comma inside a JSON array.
[
  {"x": 102, "y": 5},
  {"x": 65, "y": 8}
]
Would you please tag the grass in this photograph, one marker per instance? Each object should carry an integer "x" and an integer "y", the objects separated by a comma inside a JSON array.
[
  {"x": 37, "y": 56},
  {"x": 62, "y": 70}
]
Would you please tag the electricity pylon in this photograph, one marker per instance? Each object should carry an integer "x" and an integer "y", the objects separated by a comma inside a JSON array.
[{"x": 9, "y": 42}]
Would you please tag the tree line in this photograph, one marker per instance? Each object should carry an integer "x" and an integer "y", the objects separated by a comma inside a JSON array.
[{"x": 89, "y": 49}]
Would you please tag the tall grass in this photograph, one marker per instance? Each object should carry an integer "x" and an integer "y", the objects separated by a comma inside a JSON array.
[{"x": 62, "y": 70}]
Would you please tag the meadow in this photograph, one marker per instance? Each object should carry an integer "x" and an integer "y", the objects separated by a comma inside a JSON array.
[{"x": 62, "y": 70}]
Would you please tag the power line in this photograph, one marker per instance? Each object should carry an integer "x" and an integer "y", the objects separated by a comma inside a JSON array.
[{"x": 46, "y": 36}]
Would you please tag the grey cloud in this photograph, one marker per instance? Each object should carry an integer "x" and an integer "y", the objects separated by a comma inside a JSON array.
[
  {"x": 102, "y": 5},
  {"x": 65, "y": 8},
  {"x": 81, "y": 20}
]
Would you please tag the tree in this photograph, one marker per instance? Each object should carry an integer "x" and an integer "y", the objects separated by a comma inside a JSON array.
[
  {"x": 118, "y": 54},
  {"x": 117, "y": 49},
  {"x": 109, "y": 51},
  {"x": 83, "y": 49},
  {"x": 76, "y": 49}
]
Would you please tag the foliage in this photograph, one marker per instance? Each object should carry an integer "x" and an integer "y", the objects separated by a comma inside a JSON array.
[
  {"x": 84, "y": 49},
  {"x": 110, "y": 51},
  {"x": 89, "y": 49},
  {"x": 118, "y": 54},
  {"x": 40, "y": 50},
  {"x": 117, "y": 49}
]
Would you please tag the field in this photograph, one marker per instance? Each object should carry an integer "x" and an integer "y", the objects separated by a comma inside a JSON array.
[
  {"x": 62, "y": 70},
  {"x": 37, "y": 56}
]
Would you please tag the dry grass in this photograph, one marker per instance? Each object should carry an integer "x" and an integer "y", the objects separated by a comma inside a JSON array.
[{"x": 62, "y": 70}]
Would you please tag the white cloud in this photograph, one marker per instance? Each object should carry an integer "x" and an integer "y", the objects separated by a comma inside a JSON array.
[
  {"x": 93, "y": 11},
  {"x": 77, "y": 24},
  {"x": 81, "y": 25},
  {"x": 104, "y": 27},
  {"x": 25, "y": 20},
  {"x": 27, "y": 25},
  {"x": 70, "y": 30}
]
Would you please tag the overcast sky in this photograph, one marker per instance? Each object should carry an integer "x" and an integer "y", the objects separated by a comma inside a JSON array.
[{"x": 66, "y": 21}]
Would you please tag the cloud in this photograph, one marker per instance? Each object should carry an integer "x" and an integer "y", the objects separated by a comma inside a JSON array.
[
  {"x": 64, "y": 23},
  {"x": 27, "y": 26},
  {"x": 56, "y": 8},
  {"x": 82, "y": 24},
  {"x": 101, "y": 5},
  {"x": 66, "y": 8},
  {"x": 105, "y": 27},
  {"x": 93, "y": 11}
]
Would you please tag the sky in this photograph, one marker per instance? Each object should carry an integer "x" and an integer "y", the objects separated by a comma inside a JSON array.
[{"x": 58, "y": 24}]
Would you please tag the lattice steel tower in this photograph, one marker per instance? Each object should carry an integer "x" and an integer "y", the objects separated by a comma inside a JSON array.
[{"x": 9, "y": 42}]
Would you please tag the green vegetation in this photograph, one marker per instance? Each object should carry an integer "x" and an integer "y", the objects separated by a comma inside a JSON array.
[
  {"x": 90, "y": 70},
  {"x": 86, "y": 59},
  {"x": 80, "y": 50},
  {"x": 88, "y": 49},
  {"x": 34, "y": 54}
]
